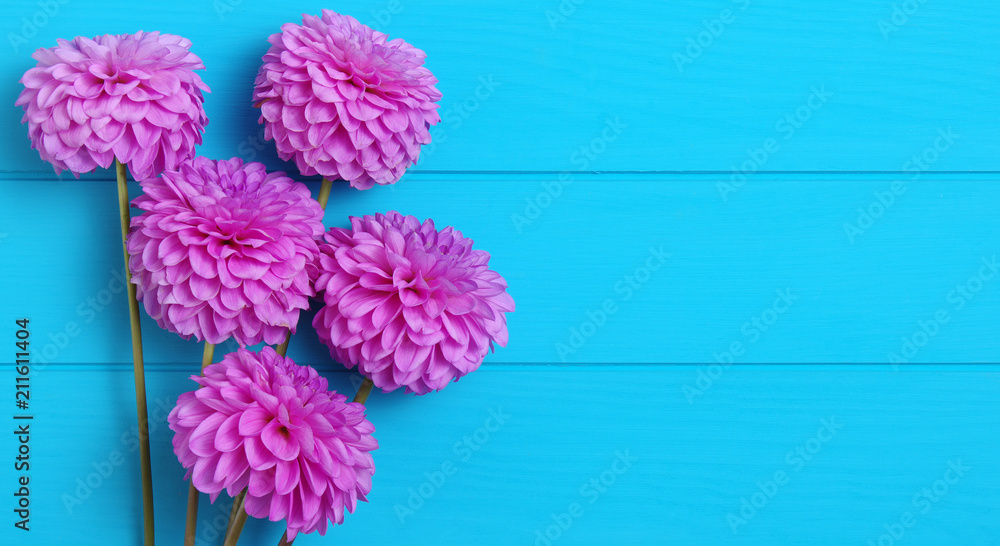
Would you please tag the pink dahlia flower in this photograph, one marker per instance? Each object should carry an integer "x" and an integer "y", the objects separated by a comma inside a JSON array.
[
  {"x": 409, "y": 305},
  {"x": 225, "y": 249},
  {"x": 344, "y": 101},
  {"x": 264, "y": 423},
  {"x": 134, "y": 97}
]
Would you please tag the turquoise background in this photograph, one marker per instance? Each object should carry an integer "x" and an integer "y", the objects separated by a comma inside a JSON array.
[{"x": 721, "y": 253}]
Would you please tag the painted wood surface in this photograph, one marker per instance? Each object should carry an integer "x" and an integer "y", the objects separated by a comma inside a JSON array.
[
  {"x": 872, "y": 441},
  {"x": 526, "y": 86},
  {"x": 704, "y": 284},
  {"x": 615, "y": 268}
]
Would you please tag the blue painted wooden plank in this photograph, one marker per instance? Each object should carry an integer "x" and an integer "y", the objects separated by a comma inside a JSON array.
[
  {"x": 786, "y": 269},
  {"x": 564, "y": 85},
  {"x": 854, "y": 448}
]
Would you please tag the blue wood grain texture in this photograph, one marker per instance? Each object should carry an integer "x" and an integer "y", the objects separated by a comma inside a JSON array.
[
  {"x": 658, "y": 215},
  {"x": 891, "y": 436},
  {"x": 684, "y": 273},
  {"x": 557, "y": 81}
]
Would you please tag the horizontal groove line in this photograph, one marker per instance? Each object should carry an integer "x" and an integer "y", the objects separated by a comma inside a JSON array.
[
  {"x": 707, "y": 172},
  {"x": 12, "y": 174},
  {"x": 180, "y": 367}
]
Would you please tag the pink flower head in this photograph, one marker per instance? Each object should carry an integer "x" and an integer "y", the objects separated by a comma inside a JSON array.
[
  {"x": 225, "y": 249},
  {"x": 409, "y": 305},
  {"x": 264, "y": 423},
  {"x": 345, "y": 102},
  {"x": 134, "y": 97}
]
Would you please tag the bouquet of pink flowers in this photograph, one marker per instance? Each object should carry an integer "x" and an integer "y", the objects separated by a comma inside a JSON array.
[{"x": 226, "y": 250}]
